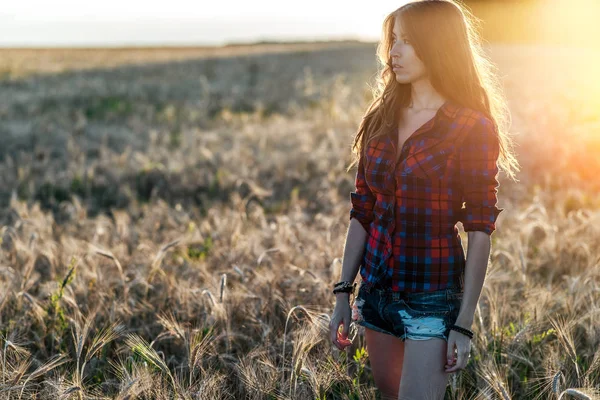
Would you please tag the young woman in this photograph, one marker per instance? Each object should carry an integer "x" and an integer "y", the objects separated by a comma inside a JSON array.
[{"x": 431, "y": 142}]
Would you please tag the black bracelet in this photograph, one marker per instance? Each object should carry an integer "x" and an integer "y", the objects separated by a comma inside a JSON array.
[
  {"x": 342, "y": 283},
  {"x": 462, "y": 330},
  {"x": 344, "y": 287}
]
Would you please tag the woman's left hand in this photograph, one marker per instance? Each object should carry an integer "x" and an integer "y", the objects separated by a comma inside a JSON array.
[{"x": 463, "y": 347}]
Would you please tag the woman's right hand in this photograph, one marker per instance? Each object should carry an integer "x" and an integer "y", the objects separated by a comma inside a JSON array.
[{"x": 341, "y": 316}]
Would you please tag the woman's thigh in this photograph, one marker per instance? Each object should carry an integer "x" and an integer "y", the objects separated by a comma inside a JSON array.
[
  {"x": 424, "y": 377},
  {"x": 385, "y": 348},
  {"x": 426, "y": 318},
  {"x": 386, "y": 355},
  {"x": 393, "y": 322}
]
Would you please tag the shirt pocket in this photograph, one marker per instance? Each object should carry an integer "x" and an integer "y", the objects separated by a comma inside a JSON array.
[{"x": 426, "y": 164}]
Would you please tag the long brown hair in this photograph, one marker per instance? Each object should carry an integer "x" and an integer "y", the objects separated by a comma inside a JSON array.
[{"x": 444, "y": 36}]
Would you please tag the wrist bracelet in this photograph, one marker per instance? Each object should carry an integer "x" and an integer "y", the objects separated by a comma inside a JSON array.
[
  {"x": 462, "y": 330},
  {"x": 341, "y": 283},
  {"x": 344, "y": 287}
]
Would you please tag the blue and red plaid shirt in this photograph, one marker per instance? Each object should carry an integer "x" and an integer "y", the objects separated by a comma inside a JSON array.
[{"x": 410, "y": 209}]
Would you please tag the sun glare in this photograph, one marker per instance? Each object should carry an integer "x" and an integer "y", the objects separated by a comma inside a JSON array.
[{"x": 570, "y": 22}]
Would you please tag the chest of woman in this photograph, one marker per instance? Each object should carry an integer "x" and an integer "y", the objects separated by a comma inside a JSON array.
[{"x": 396, "y": 164}]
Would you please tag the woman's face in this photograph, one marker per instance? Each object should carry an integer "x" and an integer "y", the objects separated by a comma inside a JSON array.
[{"x": 407, "y": 66}]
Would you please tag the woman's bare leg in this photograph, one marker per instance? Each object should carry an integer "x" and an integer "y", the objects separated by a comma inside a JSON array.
[
  {"x": 386, "y": 354},
  {"x": 425, "y": 377}
]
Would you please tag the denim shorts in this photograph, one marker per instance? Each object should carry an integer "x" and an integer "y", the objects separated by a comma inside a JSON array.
[{"x": 408, "y": 315}]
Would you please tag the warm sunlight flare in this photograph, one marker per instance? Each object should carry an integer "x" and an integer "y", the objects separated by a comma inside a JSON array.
[
  {"x": 115, "y": 22},
  {"x": 562, "y": 22},
  {"x": 573, "y": 22}
]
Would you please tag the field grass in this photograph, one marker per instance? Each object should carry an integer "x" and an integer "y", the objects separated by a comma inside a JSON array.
[
  {"x": 16, "y": 63},
  {"x": 172, "y": 224}
]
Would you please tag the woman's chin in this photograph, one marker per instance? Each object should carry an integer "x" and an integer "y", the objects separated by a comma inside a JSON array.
[{"x": 402, "y": 79}]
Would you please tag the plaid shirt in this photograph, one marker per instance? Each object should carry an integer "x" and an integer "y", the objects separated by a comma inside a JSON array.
[{"x": 410, "y": 209}]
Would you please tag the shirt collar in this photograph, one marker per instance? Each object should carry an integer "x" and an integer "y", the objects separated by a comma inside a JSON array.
[{"x": 450, "y": 109}]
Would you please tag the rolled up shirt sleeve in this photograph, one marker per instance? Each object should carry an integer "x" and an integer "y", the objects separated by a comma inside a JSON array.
[
  {"x": 362, "y": 199},
  {"x": 478, "y": 157}
]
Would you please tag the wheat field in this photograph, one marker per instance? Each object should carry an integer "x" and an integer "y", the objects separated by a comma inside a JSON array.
[{"x": 172, "y": 223}]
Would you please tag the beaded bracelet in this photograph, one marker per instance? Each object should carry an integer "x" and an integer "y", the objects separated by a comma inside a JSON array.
[
  {"x": 344, "y": 287},
  {"x": 462, "y": 330},
  {"x": 342, "y": 284}
]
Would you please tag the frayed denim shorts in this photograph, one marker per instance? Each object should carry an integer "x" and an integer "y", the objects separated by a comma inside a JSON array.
[{"x": 408, "y": 315}]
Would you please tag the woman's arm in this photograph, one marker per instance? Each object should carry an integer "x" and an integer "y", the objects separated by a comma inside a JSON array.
[
  {"x": 353, "y": 252},
  {"x": 478, "y": 253},
  {"x": 478, "y": 173},
  {"x": 362, "y": 199},
  {"x": 361, "y": 216}
]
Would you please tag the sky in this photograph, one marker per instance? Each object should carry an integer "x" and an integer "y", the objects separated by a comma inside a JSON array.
[{"x": 31, "y": 23}]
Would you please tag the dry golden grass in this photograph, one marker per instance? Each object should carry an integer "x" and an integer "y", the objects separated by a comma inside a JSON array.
[
  {"x": 18, "y": 63},
  {"x": 173, "y": 231}
]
